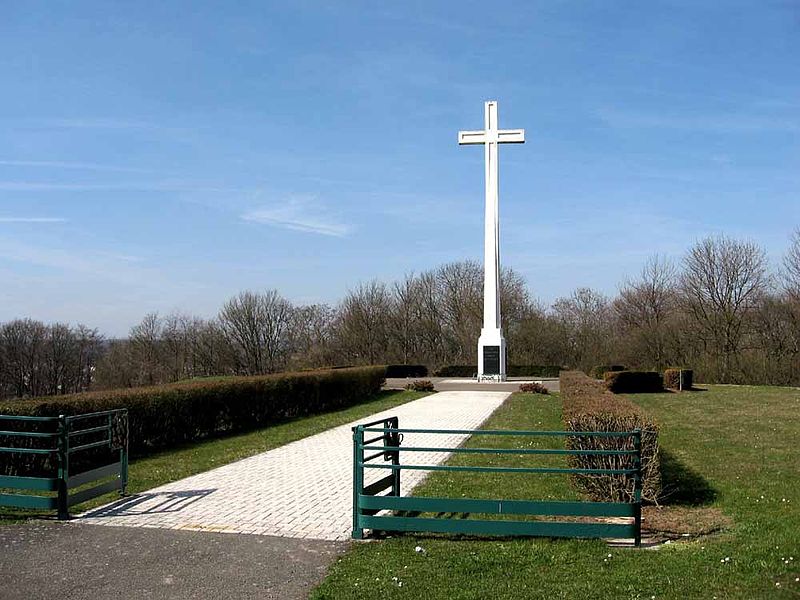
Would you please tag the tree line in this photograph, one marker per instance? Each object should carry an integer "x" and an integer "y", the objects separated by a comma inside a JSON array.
[{"x": 720, "y": 310}]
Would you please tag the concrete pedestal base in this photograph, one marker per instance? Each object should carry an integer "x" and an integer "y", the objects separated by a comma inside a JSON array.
[{"x": 491, "y": 355}]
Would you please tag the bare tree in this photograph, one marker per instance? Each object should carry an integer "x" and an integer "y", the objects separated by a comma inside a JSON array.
[
  {"x": 213, "y": 354},
  {"x": 117, "y": 367},
  {"x": 791, "y": 264},
  {"x": 363, "y": 323},
  {"x": 256, "y": 326},
  {"x": 22, "y": 342},
  {"x": 404, "y": 321},
  {"x": 89, "y": 350},
  {"x": 722, "y": 282},
  {"x": 38, "y": 359},
  {"x": 310, "y": 333},
  {"x": 586, "y": 324},
  {"x": 459, "y": 287},
  {"x": 645, "y": 308},
  {"x": 516, "y": 305},
  {"x": 538, "y": 339},
  {"x": 145, "y": 341},
  {"x": 434, "y": 344}
]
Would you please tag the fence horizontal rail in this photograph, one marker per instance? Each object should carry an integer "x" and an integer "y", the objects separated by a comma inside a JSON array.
[
  {"x": 102, "y": 413},
  {"x": 17, "y": 482},
  {"x": 105, "y": 442},
  {"x": 498, "y": 528},
  {"x": 497, "y": 507},
  {"x": 31, "y": 434},
  {"x": 95, "y": 474},
  {"x": 501, "y": 469},
  {"x": 29, "y": 450},
  {"x": 87, "y": 431},
  {"x": 370, "y": 424},
  {"x": 28, "y": 418},
  {"x": 503, "y": 432},
  {"x": 29, "y": 501},
  {"x": 505, "y": 450}
]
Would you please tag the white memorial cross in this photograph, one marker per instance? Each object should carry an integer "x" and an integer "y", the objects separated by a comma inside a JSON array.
[{"x": 491, "y": 344}]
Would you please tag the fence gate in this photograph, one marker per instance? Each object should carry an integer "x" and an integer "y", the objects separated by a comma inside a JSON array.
[
  {"x": 379, "y": 512},
  {"x": 62, "y": 454}
]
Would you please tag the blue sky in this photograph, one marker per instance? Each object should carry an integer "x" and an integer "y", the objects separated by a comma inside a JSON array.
[{"x": 158, "y": 156}]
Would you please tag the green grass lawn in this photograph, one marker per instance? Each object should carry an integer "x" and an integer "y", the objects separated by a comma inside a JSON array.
[
  {"x": 158, "y": 469},
  {"x": 729, "y": 448}
]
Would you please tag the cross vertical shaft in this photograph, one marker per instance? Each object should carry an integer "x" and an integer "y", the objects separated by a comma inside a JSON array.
[
  {"x": 491, "y": 344},
  {"x": 491, "y": 247}
]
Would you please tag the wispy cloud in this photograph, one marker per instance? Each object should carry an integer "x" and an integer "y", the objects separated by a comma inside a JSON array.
[
  {"x": 133, "y": 186},
  {"x": 56, "y": 164},
  {"x": 96, "y": 125},
  {"x": 717, "y": 123},
  {"x": 299, "y": 214},
  {"x": 104, "y": 266},
  {"x": 99, "y": 123},
  {"x": 32, "y": 220}
]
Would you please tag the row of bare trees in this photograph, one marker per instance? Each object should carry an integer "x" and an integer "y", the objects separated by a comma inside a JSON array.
[
  {"x": 38, "y": 359},
  {"x": 254, "y": 333},
  {"x": 429, "y": 318},
  {"x": 721, "y": 310}
]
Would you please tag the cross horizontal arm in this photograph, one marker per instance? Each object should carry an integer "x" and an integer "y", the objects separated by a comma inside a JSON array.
[
  {"x": 471, "y": 137},
  {"x": 511, "y": 136}
]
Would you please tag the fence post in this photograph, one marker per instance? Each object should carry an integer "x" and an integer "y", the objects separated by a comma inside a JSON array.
[
  {"x": 637, "y": 490},
  {"x": 123, "y": 456},
  {"x": 358, "y": 479},
  {"x": 63, "y": 467},
  {"x": 394, "y": 423}
]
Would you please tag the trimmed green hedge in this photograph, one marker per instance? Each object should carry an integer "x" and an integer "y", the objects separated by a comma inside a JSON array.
[
  {"x": 599, "y": 371},
  {"x": 633, "y": 382},
  {"x": 588, "y": 406},
  {"x": 533, "y": 370},
  {"x": 401, "y": 371},
  {"x": 511, "y": 371},
  {"x": 457, "y": 371},
  {"x": 677, "y": 378},
  {"x": 164, "y": 416}
]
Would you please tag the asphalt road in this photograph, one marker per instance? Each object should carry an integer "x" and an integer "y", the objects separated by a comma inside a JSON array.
[{"x": 70, "y": 561}]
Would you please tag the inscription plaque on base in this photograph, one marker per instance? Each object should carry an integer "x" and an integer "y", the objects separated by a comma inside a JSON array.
[{"x": 491, "y": 360}]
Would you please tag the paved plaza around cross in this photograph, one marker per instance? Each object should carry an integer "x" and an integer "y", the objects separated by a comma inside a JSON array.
[{"x": 302, "y": 489}]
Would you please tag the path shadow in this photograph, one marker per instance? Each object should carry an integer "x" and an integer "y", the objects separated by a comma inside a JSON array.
[
  {"x": 681, "y": 484},
  {"x": 149, "y": 503}
]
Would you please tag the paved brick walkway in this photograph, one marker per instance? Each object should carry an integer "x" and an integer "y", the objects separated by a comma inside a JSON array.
[{"x": 303, "y": 489}]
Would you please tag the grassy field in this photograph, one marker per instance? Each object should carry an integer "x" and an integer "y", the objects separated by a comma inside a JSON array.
[
  {"x": 158, "y": 469},
  {"x": 729, "y": 450}
]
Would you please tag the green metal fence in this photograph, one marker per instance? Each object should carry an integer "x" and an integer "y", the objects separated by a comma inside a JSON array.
[
  {"x": 384, "y": 440},
  {"x": 65, "y": 454}
]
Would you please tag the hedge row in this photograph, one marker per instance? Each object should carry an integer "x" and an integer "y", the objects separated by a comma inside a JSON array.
[
  {"x": 599, "y": 371},
  {"x": 511, "y": 371},
  {"x": 165, "y": 416},
  {"x": 588, "y": 406},
  {"x": 533, "y": 370},
  {"x": 457, "y": 371},
  {"x": 401, "y": 371},
  {"x": 633, "y": 382},
  {"x": 678, "y": 378}
]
